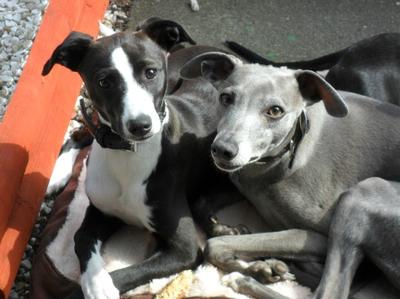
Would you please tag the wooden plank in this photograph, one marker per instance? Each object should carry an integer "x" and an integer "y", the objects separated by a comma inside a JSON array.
[{"x": 33, "y": 128}]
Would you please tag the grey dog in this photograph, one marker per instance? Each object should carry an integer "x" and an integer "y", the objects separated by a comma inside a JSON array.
[{"x": 320, "y": 166}]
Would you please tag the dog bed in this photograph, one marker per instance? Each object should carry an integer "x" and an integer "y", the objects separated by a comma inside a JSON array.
[{"x": 55, "y": 270}]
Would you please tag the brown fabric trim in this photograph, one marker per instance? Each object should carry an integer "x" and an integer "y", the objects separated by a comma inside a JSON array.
[
  {"x": 46, "y": 281},
  {"x": 61, "y": 205}
]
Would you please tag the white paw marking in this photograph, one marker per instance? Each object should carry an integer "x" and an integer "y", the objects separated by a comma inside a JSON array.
[
  {"x": 194, "y": 5},
  {"x": 99, "y": 286},
  {"x": 96, "y": 283}
]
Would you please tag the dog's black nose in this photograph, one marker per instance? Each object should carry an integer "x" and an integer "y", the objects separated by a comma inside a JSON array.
[
  {"x": 139, "y": 126},
  {"x": 224, "y": 150}
]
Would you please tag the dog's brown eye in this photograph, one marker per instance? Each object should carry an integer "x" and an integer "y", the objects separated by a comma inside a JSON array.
[
  {"x": 274, "y": 112},
  {"x": 226, "y": 99},
  {"x": 150, "y": 73},
  {"x": 104, "y": 83}
]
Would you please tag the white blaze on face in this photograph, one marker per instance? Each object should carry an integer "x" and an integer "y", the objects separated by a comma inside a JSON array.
[{"x": 136, "y": 100}]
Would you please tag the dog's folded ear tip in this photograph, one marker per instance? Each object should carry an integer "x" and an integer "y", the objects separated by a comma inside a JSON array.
[
  {"x": 336, "y": 105},
  {"x": 338, "y": 114},
  {"x": 46, "y": 69},
  {"x": 342, "y": 112}
]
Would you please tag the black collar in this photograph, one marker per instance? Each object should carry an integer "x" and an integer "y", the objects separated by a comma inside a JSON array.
[
  {"x": 291, "y": 141},
  {"x": 104, "y": 136}
]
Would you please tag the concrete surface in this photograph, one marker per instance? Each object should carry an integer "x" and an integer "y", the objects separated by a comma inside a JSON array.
[{"x": 278, "y": 29}]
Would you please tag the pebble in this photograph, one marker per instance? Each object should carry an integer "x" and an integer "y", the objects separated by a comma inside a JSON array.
[
  {"x": 26, "y": 264},
  {"x": 194, "y": 5},
  {"x": 19, "y": 20}
]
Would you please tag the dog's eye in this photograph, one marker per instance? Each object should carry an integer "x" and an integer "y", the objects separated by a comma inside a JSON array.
[
  {"x": 275, "y": 112},
  {"x": 104, "y": 83},
  {"x": 150, "y": 73},
  {"x": 226, "y": 99}
]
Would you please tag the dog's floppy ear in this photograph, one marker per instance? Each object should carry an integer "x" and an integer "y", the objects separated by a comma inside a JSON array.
[
  {"x": 165, "y": 33},
  {"x": 212, "y": 66},
  {"x": 70, "y": 52},
  {"x": 314, "y": 88}
]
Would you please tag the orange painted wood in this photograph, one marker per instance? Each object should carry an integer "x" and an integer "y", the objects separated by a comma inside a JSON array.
[{"x": 33, "y": 128}]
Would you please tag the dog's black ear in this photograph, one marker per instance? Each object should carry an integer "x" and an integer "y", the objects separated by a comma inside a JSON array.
[
  {"x": 70, "y": 52},
  {"x": 314, "y": 88},
  {"x": 165, "y": 33},
  {"x": 213, "y": 66}
]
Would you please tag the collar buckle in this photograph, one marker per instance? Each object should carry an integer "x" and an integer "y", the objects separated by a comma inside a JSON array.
[
  {"x": 133, "y": 146},
  {"x": 291, "y": 147}
]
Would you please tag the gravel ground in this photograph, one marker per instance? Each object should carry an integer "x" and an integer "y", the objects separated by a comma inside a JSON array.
[
  {"x": 19, "y": 21},
  {"x": 116, "y": 17}
]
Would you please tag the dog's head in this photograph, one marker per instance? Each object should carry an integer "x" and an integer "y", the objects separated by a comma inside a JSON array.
[
  {"x": 125, "y": 74},
  {"x": 262, "y": 105}
]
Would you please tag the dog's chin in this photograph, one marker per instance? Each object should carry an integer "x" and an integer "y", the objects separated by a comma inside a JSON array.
[
  {"x": 227, "y": 167},
  {"x": 138, "y": 139},
  {"x": 230, "y": 167}
]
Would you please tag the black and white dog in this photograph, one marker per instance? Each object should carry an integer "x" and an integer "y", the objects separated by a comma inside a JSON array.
[{"x": 151, "y": 152}]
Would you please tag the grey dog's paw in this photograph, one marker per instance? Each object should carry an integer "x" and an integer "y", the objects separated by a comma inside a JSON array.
[
  {"x": 219, "y": 229},
  {"x": 269, "y": 271}
]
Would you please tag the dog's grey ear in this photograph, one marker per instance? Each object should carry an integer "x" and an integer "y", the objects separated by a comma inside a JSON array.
[
  {"x": 70, "y": 52},
  {"x": 314, "y": 88},
  {"x": 213, "y": 66},
  {"x": 165, "y": 33}
]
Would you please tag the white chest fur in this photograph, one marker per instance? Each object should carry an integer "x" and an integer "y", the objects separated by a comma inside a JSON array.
[{"x": 115, "y": 181}]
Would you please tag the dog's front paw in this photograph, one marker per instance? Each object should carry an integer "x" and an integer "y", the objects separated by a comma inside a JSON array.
[
  {"x": 219, "y": 229},
  {"x": 269, "y": 271},
  {"x": 99, "y": 286}
]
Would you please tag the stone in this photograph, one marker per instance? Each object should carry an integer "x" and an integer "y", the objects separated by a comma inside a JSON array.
[{"x": 26, "y": 264}]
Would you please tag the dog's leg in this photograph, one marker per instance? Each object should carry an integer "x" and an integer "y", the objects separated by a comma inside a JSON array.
[
  {"x": 95, "y": 282},
  {"x": 178, "y": 251},
  {"x": 177, "y": 256},
  {"x": 205, "y": 208},
  {"x": 342, "y": 262},
  {"x": 344, "y": 254},
  {"x": 250, "y": 286},
  {"x": 178, "y": 248},
  {"x": 363, "y": 220},
  {"x": 231, "y": 253}
]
